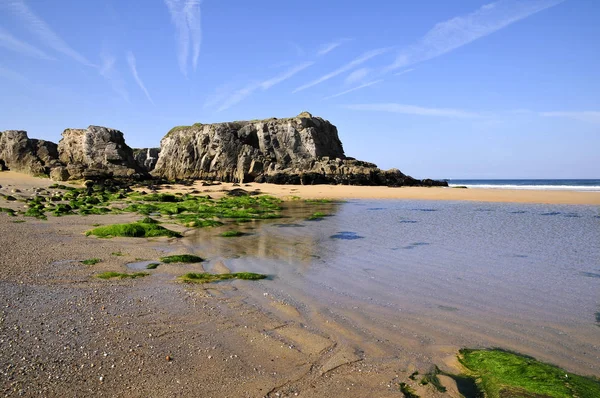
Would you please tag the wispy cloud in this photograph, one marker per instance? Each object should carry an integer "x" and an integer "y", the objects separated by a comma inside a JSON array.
[
  {"x": 328, "y": 47},
  {"x": 10, "y": 42},
  {"x": 459, "y": 31},
  {"x": 403, "y": 72},
  {"x": 354, "y": 89},
  {"x": 413, "y": 110},
  {"x": 185, "y": 15},
  {"x": 113, "y": 77},
  {"x": 134, "y": 72},
  {"x": 39, "y": 28},
  {"x": 357, "y": 76},
  {"x": 284, "y": 76},
  {"x": 585, "y": 116},
  {"x": 227, "y": 102},
  {"x": 349, "y": 66}
]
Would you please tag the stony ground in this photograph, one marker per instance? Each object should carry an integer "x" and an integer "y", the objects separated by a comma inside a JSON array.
[{"x": 65, "y": 333}]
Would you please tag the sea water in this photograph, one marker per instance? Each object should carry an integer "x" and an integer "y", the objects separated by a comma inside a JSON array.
[
  {"x": 586, "y": 185},
  {"x": 422, "y": 278}
]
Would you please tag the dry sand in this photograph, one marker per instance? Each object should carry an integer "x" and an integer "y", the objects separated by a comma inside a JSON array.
[{"x": 363, "y": 192}]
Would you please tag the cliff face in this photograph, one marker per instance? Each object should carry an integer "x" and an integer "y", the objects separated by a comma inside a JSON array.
[
  {"x": 97, "y": 152},
  {"x": 241, "y": 151}
]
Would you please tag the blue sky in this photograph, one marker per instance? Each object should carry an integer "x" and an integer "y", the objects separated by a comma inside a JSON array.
[{"x": 436, "y": 88}]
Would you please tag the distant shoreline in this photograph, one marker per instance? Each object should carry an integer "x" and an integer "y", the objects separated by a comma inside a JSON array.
[{"x": 345, "y": 192}]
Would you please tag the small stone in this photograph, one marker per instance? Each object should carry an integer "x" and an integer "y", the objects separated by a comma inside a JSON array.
[{"x": 168, "y": 358}]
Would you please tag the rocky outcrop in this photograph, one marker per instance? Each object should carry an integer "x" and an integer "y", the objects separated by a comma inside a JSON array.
[
  {"x": 146, "y": 158},
  {"x": 97, "y": 152},
  {"x": 299, "y": 150},
  {"x": 20, "y": 153}
]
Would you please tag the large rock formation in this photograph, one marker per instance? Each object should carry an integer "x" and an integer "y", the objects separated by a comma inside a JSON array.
[
  {"x": 299, "y": 150},
  {"x": 31, "y": 156},
  {"x": 97, "y": 152}
]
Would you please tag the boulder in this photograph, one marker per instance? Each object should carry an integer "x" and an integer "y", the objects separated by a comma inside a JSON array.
[
  {"x": 31, "y": 156},
  {"x": 98, "y": 153}
]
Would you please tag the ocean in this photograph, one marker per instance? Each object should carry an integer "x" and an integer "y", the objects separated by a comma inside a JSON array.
[
  {"x": 421, "y": 279},
  {"x": 587, "y": 185}
]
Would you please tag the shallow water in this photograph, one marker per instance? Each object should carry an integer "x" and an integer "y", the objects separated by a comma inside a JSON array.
[{"x": 424, "y": 278}]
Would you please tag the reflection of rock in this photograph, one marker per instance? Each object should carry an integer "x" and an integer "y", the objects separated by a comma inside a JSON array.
[
  {"x": 299, "y": 150},
  {"x": 97, "y": 152}
]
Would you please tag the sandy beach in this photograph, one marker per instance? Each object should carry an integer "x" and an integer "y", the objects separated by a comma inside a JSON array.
[{"x": 64, "y": 332}]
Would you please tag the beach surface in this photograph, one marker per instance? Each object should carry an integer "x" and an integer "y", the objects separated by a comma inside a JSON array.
[
  {"x": 364, "y": 192},
  {"x": 408, "y": 301}
]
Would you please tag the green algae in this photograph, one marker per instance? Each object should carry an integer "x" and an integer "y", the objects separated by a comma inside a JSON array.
[
  {"x": 181, "y": 258},
  {"x": 232, "y": 234},
  {"x": 209, "y": 278},
  {"x": 133, "y": 230},
  {"x": 501, "y": 373},
  {"x": 91, "y": 261},
  {"x": 121, "y": 275},
  {"x": 152, "y": 265}
]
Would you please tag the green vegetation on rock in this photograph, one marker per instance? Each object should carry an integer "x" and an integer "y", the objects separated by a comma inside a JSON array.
[
  {"x": 500, "y": 373},
  {"x": 133, "y": 230},
  {"x": 208, "y": 278},
  {"x": 152, "y": 265},
  {"x": 121, "y": 275},
  {"x": 181, "y": 258}
]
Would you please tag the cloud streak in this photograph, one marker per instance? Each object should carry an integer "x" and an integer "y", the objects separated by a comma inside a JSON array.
[
  {"x": 134, "y": 72},
  {"x": 349, "y": 66},
  {"x": 354, "y": 89},
  {"x": 459, "y": 31},
  {"x": 10, "y": 42},
  {"x": 39, "y": 28},
  {"x": 239, "y": 95},
  {"x": 585, "y": 116},
  {"x": 414, "y": 110},
  {"x": 113, "y": 77},
  {"x": 329, "y": 47},
  {"x": 185, "y": 15},
  {"x": 357, "y": 76}
]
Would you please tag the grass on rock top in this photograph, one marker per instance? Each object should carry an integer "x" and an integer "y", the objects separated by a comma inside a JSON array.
[{"x": 505, "y": 374}]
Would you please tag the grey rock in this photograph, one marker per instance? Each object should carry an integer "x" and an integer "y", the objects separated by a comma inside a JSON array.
[
  {"x": 97, "y": 153},
  {"x": 299, "y": 150},
  {"x": 31, "y": 156},
  {"x": 146, "y": 157},
  {"x": 59, "y": 173},
  {"x": 241, "y": 151}
]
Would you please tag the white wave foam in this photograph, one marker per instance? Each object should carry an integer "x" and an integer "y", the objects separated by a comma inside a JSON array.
[{"x": 591, "y": 188}]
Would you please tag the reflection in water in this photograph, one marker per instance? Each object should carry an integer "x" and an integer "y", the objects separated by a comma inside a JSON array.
[{"x": 508, "y": 277}]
